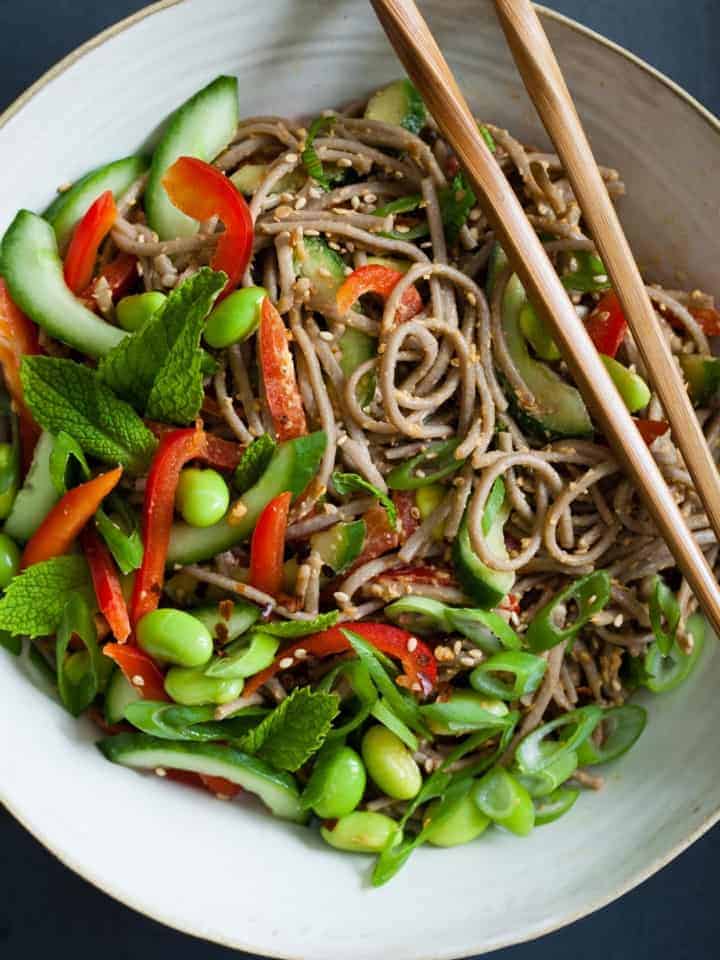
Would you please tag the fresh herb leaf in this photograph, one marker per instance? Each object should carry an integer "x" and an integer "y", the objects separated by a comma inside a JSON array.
[
  {"x": 34, "y": 600},
  {"x": 310, "y": 159},
  {"x": 68, "y": 396},
  {"x": 300, "y": 628},
  {"x": 590, "y": 276},
  {"x": 76, "y": 622},
  {"x": 401, "y": 205},
  {"x": 456, "y": 202},
  {"x": 353, "y": 483},
  {"x": 159, "y": 369},
  {"x": 294, "y": 731},
  {"x": 65, "y": 450},
  {"x": 254, "y": 462},
  {"x": 664, "y": 616},
  {"x": 120, "y": 532}
]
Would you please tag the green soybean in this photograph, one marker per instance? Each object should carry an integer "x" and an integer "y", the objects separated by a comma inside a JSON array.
[
  {"x": 338, "y": 783},
  {"x": 190, "y": 687},
  {"x": 173, "y": 636},
  {"x": 390, "y": 764},
  {"x": 9, "y": 560},
  {"x": 9, "y": 477},
  {"x": 361, "y": 832},
  {"x": 133, "y": 311},
  {"x": 465, "y": 823},
  {"x": 236, "y": 318},
  {"x": 202, "y": 497}
]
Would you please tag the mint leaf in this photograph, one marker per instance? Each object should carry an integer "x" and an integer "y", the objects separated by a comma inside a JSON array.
[
  {"x": 456, "y": 202},
  {"x": 70, "y": 397},
  {"x": 254, "y": 462},
  {"x": 354, "y": 483},
  {"x": 294, "y": 731},
  {"x": 34, "y": 601},
  {"x": 159, "y": 369},
  {"x": 310, "y": 159}
]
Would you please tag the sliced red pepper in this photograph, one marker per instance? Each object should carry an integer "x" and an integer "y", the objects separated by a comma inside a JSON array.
[
  {"x": 86, "y": 239},
  {"x": 60, "y": 528},
  {"x": 419, "y": 663},
  {"x": 174, "y": 451},
  {"x": 607, "y": 324},
  {"x": 202, "y": 191},
  {"x": 106, "y": 582},
  {"x": 375, "y": 278},
  {"x": 282, "y": 394},
  {"x": 120, "y": 275},
  {"x": 18, "y": 338},
  {"x": 140, "y": 670},
  {"x": 267, "y": 547},
  {"x": 422, "y": 573},
  {"x": 380, "y": 537},
  {"x": 217, "y": 785},
  {"x": 220, "y": 454},
  {"x": 708, "y": 318},
  {"x": 650, "y": 430}
]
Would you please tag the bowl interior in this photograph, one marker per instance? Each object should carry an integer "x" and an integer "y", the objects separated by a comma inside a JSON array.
[{"x": 226, "y": 871}]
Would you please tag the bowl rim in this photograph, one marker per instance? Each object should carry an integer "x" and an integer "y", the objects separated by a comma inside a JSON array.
[{"x": 106, "y": 884}]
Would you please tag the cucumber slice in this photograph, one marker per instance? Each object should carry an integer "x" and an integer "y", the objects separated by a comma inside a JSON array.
[
  {"x": 37, "y": 494},
  {"x": 399, "y": 104},
  {"x": 201, "y": 128},
  {"x": 340, "y": 545},
  {"x": 292, "y": 467},
  {"x": 703, "y": 378},
  {"x": 355, "y": 348},
  {"x": 324, "y": 268},
  {"x": 227, "y": 629},
  {"x": 34, "y": 275},
  {"x": 119, "y": 694},
  {"x": 487, "y": 587},
  {"x": 277, "y": 790},
  {"x": 558, "y": 409},
  {"x": 69, "y": 207}
]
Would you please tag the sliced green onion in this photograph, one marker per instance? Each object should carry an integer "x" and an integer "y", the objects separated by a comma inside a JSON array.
[
  {"x": 401, "y": 205},
  {"x": 456, "y": 202},
  {"x": 121, "y": 533},
  {"x": 435, "y": 463},
  {"x": 664, "y": 615},
  {"x": 527, "y": 669},
  {"x": 622, "y": 726},
  {"x": 77, "y": 693},
  {"x": 663, "y": 674},
  {"x": 591, "y": 275},
  {"x": 172, "y": 722},
  {"x": 503, "y": 799},
  {"x": 465, "y": 712},
  {"x": 363, "y": 688},
  {"x": 384, "y": 715},
  {"x": 254, "y": 462},
  {"x": 419, "y": 614},
  {"x": 562, "y": 766},
  {"x": 591, "y": 593},
  {"x": 287, "y": 629},
  {"x": 530, "y": 756},
  {"x": 487, "y": 137},
  {"x": 310, "y": 159},
  {"x": 554, "y": 805},
  {"x": 485, "y": 628},
  {"x": 65, "y": 453},
  {"x": 245, "y": 657}
]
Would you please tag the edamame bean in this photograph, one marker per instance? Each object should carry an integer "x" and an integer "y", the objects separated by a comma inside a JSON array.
[
  {"x": 390, "y": 764},
  {"x": 202, "y": 497},
  {"x": 361, "y": 832},
  {"x": 173, "y": 636},
  {"x": 9, "y": 560},
  {"x": 190, "y": 687},
  {"x": 133, "y": 311},
  {"x": 236, "y": 318},
  {"x": 9, "y": 477},
  {"x": 340, "y": 780},
  {"x": 463, "y": 824}
]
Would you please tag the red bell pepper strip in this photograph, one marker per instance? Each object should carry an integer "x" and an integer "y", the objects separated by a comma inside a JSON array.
[
  {"x": 267, "y": 547},
  {"x": 220, "y": 454},
  {"x": 650, "y": 430},
  {"x": 375, "y": 278},
  {"x": 419, "y": 663},
  {"x": 86, "y": 239},
  {"x": 18, "y": 338},
  {"x": 174, "y": 451},
  {"x": 708, "y": 318},
  {"x": 218, "y": 785},
  {"x": 120, "y": 275},
  {"x": 380, "y": 537},
  {"x": 607, "y": 324},
  {"x": 202, "y": 191},
  {"x": 61, "y": 527},
  {"x": 106, "y": 583},
  {"x": 140, "y": 670},
  {"x": 282, "y": 394}
]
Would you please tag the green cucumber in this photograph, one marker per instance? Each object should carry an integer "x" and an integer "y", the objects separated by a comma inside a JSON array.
[
  {"x": 487, "y": 587},
  {"x": 71, "y": 205},
  {"x": 33, "y": 272},
  {"x": 631, "y": 387},
  {"x": 249, "y": 177},
  {"x": 119, "y": 694},
  {"x": 37, "y": 495},
  {"x": 558, "y": 409},
  {"x": 227, "y": 629},
  {"x": 355, "y": 348},
  {"x": 703, "y": 378},
  {"x": 537, "y": 334},
  {"x": 277, "y": 790},
  {"x": 340, "y": 545},
  {"x": 201, "y": 128},
  {"x": 400, "y": 104},
  {"x": 324, "y": 268},
  {"x": 292, "y": 467}
]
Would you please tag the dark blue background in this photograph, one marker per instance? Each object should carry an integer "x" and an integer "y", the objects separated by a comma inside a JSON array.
[{"x": 45, "y": 909}]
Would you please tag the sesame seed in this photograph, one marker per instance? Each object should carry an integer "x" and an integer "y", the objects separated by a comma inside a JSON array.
[
  {"x": 342, "y": 597},
  {"x": 370, "y": 198},
  {"x": 138, "y": 681},
  {"x": 326, "y": 335},
  {"x": 600, "y": 278},
  {"x": 457, "y": 647},
  {"x": 316, "y": 193},
  {"x": 286, "y": 663},
  {"x": 412, "y": 644},
  {"x": 344, "y": 162},
  {"x": 290, "y": 158},
  {"x": 301, "y": 653},
  {"x": 618, "y": 621},
  {"x": 300, "y": 203},
  {"x": 161, "y": 771}
]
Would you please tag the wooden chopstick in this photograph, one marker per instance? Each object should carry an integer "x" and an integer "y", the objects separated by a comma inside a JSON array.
[{"x": 426, "y": 66}]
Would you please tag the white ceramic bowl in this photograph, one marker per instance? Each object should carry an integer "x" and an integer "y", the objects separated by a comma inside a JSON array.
[{"x": 227, "y": 872}]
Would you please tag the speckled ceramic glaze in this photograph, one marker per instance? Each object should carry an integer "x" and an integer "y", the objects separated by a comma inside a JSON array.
[{"x": 226, "y": 871}]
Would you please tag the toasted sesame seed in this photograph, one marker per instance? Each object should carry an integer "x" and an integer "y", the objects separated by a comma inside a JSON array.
[
  {"x": 600, "y": 278},
  {"x": 161, "y": 771},
  {"x": 301, "y": 653},
  {"x": 290, "y": 158},
  {"x": 286, "y": 663},
  {"x": 300, "y": 203},
  {"x": 341, "y": 597},
  {"x": 412, "y": 644},
  {"x": 370, "y": 198},
  {"x": 138, "y": 681},
  {"x": 344, "y": 162}
]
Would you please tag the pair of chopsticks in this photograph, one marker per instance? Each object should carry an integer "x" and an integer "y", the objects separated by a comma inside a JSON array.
[{"x": 427, "y": 68}]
